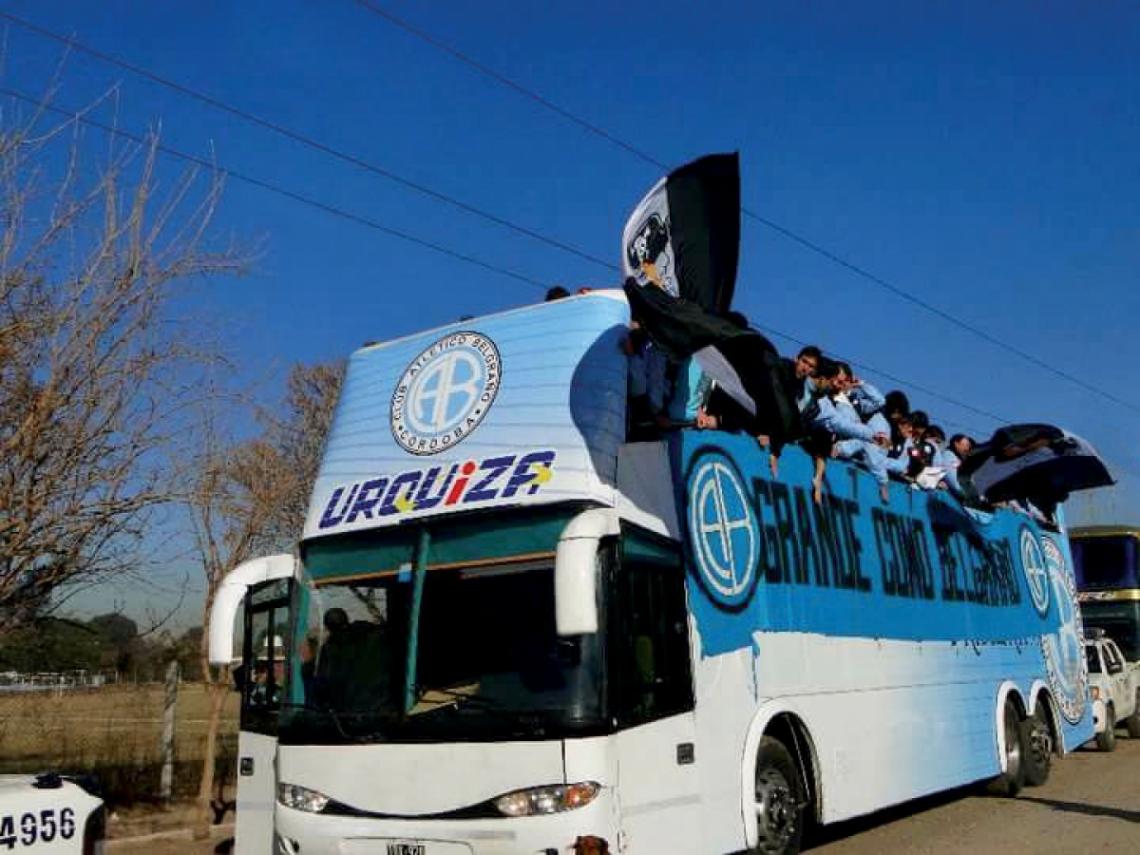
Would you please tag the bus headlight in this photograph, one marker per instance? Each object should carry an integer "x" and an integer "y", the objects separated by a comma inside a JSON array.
[
  {"x": 544, "y": 800},
  {"x": 301, "y": 798}
]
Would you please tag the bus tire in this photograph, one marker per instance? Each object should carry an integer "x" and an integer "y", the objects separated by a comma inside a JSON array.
[
  {"x": 1133, "y": 721},
  {"x": 1036, "y": 748},
  {"x": 1106, "y": 741},
  {"x": 1010, "y": 782},
  {"x": 778, "y": 800}
]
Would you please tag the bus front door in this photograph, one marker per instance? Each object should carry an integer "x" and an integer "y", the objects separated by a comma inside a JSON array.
[{"x": 263, "y": 662}]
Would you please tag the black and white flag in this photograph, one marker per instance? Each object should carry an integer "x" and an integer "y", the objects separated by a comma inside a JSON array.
[
  {"x": 684, "y": 236},
  {"x": 744, "y": 364}
]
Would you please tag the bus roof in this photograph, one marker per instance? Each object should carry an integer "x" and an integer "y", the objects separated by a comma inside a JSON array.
[
  {"x": 519, "y": 408},
  {"x": 1104, "y": 531}
]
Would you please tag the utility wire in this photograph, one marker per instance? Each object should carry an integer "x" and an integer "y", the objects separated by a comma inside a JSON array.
[
  {"x": 428, "y": 244},
  {"x": 784, "y": 231},
  {"x": 354, "y": 160},
  {"x": 487, "y": 71},
  {"x": 910, "y": 384},
  {"x": 277, "y": 189},
  {"x": 303, "y": 139}
]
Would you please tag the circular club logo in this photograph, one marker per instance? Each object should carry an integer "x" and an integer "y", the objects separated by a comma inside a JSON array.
[
  {"x": 1036, "y": 574},
  {"x": 722, "y": 528},
  {"x": 445, "y": 392},
  {"x": 1063, "y": 651}
]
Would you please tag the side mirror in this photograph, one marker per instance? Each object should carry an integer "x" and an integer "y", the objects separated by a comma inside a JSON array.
[
  {"x": 576, "y": 570},
  {"x": 230, "y": 595}
]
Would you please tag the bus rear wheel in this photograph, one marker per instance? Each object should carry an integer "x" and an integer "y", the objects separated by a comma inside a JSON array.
[
  {"x": 1037, "y": 747},
  {"x": 1010, "y": 782},
  {"x": 779, "y": 800}
]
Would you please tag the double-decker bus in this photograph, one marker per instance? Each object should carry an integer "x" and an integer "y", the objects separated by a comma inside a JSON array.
[
  {"x": 1106, "y": 559},
  {"x": 510, "y": 630}
]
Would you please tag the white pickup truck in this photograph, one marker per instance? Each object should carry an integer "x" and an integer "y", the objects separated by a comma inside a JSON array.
[
  {"x": 50, "y": 814},
  {"x": 1114, "y": 684}
]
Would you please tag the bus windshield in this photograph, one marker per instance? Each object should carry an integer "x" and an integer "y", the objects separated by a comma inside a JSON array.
[
  {"x": 479, "y": 659},
  {"x": 1102, "y": 563}
]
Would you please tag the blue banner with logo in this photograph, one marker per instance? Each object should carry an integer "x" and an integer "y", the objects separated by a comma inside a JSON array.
[
  {"x": 523, "y": 407},
  {"x": 764, "y": 557}
]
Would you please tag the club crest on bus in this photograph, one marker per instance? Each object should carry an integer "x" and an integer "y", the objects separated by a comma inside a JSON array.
[
  {"x": 1036, "y": 571},
  {"x": 1063, "y": 650},
  {"x": 722, "y": 526},
  {"x": 445, "y": 392},
  {"x": 470, "y": 482}
]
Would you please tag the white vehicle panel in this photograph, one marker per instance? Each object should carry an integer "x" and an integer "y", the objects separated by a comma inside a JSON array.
[
  {"x": 415, "y": 779},
  {"x": 50, "y": 820}
]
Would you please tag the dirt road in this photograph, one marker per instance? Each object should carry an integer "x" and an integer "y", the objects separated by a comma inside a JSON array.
[{"x": 1091, "y": 803}]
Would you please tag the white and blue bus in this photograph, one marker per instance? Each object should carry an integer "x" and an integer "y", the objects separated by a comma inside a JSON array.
[{"x": 511, "y": 631}]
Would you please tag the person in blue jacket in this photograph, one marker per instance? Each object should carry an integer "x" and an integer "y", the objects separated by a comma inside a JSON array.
[{"x": 835, "y": 416}]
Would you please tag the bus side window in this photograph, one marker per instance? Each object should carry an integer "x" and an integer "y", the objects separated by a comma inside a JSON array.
[
  {"x": 650, "y": 639},
  {"x": 266, "y": 627}
]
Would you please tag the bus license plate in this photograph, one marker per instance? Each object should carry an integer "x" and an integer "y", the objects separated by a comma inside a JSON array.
[{"x": 407, "y": 848}]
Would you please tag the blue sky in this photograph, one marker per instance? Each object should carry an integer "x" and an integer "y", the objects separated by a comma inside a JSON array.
[{"x": 980, "y": 156}]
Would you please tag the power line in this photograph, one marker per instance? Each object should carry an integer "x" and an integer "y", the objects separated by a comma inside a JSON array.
[
  {"x": 361, "y": 220},
  {"x": 784, "y": 231},
  {"x": 509, "y": 83},
  {"x": 303, "y": 139},
  {"x": 354, "y": 160},
  {"x": 277, "y": 189},
  {"x": 139, "y": 139}
]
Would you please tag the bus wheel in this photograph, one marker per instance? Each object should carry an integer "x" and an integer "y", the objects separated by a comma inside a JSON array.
[
  {"x": 1010, "y": 782},
  {"x": 1133, "y": 721},
  {"x": 1106, "y": 741},
  {"x": 1037, "y": 747},
  {"x": 779, "y": 800}
]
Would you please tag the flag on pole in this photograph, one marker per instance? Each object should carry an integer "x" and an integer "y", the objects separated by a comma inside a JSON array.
[
  {"x": 680, "y": 250},
  {"x": 684, "y": 236}
]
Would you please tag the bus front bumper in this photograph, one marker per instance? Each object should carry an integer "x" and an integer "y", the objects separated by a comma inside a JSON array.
[{"x": 591, "y": 830}]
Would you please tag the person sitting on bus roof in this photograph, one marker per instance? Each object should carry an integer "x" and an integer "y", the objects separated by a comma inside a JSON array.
[
  {"x": 799, "y": 374},
  {"x": 690, "y": 389},
  {"x": 921, "y": 452},
  {"x": 869, "y": 402},
  {"x": 936, "y": 475},
  {"x": 865, "y": 398},
  {"x": 648, "y": 384},
  {"x": 852, "y": 439},
  {"x": 951, "y": 458},
  {"x": 897, "y": 410}
]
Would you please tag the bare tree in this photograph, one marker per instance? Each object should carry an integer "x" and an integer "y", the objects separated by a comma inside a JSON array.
[
  {"x": 249, "y": 498},
  {"x": 95, "y": 370}
]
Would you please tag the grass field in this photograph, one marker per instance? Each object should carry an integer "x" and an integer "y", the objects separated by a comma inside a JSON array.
[{"x": 113, "y": 733}]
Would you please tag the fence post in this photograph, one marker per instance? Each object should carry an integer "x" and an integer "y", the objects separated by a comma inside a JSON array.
[{"x": 166, "y": 783}]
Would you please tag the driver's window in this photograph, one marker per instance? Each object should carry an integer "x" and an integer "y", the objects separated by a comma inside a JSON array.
[{"x": 263, "y": 659}]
